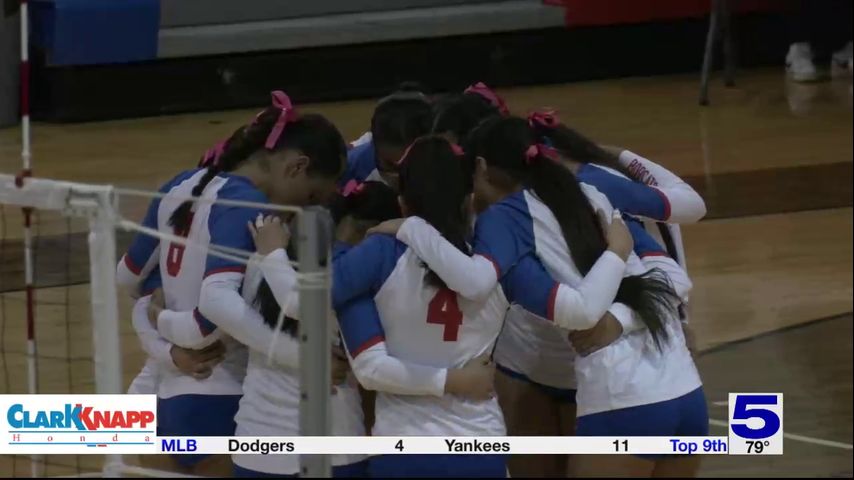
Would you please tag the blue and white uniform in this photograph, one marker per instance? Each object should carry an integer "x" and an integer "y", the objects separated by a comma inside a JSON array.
[
  {"x": 361, "y": 162},
  {"x": 627, "y": 373},
  {"x": 156, "y": 348},
  {"x": 424, "y": 330},
  {"x": 187, "y": 406}
]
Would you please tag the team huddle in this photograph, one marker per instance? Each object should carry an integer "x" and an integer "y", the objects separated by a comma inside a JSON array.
[{"x": 491, "y": 275}]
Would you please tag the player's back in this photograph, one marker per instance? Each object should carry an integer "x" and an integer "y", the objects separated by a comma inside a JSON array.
[
  {"x": 428, "y": 325},
  {"x": 183, "y": 270}
]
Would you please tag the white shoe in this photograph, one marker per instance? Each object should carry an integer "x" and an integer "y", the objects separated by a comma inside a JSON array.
[
  {"x": 841, "y": 60},
  {"x": 799, "y": 63}
]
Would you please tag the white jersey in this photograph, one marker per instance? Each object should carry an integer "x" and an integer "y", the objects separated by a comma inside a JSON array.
[
  {"x": 271, "y": 396},
  {"x": 423, "y": 325},
  {"x": 520, "y": 225},
  {"x": 182, "y": 270}
]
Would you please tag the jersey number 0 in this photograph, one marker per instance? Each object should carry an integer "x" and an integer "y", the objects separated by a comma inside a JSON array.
[{"x": 444, "y": 310}]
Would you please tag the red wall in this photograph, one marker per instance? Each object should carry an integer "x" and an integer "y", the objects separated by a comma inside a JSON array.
[{"x": 608, "y": 12}]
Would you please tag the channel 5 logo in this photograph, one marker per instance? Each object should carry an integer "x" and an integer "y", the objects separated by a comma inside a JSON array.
[{"x": 756, "y": 423}]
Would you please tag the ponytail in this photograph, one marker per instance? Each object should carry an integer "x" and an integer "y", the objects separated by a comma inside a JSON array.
[
  {"x": 511, "y": 146},
  {"x": 435, "y": 181}
]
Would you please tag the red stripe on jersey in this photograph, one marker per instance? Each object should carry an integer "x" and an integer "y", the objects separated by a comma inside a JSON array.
[
  {"x": 136, "y": 270},
  {"x": 550, "y": 311},
  {"x": 666, "y": 203},
  {"x": 654, "y": 254},
  {"x": 368, "y": 344},
  {"x": 494, "y": 264},
  {"x": 235, "y": 269}
]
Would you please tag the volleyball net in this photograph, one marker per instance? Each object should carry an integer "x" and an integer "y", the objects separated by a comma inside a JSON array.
[{"x": 65, "y": 327}]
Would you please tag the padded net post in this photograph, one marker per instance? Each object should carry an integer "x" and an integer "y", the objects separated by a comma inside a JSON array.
[{"x": 315, "y": 377}]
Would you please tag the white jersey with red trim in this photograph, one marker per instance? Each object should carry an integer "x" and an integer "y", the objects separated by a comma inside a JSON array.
[{"x": 183, "y": 268}]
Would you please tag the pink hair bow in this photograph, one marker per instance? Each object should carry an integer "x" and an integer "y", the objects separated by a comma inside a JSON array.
[
  {"x": 287, "y": 114},
  {"x": 545, "y": 118},
  {"x": 458, "y": 150},
  {"x": 352, "y": 187},
  {"x": 211, "y": 157},
  {"x": 481, "y": 89},
  {"x": 539, "y": 149}
]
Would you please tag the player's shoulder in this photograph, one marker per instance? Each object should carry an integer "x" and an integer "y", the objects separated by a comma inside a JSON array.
[
  {"x": 179, "y": 179},
  {"x": 385, "y": 245},
  {"x": 237, "y": 187},
  {"x": 597, "y": 199},
  {"x": 361, "y": 161}
]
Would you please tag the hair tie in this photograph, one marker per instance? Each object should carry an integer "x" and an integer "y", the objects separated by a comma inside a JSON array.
[
  {"x": 543, "y": 118},
  {"x": 458, "y": 150},
  {"x": 211, "y": 156},
  {"x": 286, "y": 114},
  {"x": 352, "y": 187},
  {"x": 481, "y": 89},
  {"x": 405, "y": 153},
  {"x": 539, "y": 149}
]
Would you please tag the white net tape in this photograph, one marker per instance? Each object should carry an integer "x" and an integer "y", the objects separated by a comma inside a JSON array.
[{"x": 101, "y": 204}]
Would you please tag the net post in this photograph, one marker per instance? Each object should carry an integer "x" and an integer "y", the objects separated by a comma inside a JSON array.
[
  {"x": 105, "y": 326},
  {"x": 315, "y": 377}
]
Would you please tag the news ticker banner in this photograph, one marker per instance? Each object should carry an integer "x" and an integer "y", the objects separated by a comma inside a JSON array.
[{"x": 127, "y": 424}]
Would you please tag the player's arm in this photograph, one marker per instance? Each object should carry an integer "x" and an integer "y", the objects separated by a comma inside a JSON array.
[
  {"x": 626, "y": 195},
  {"x": 372, "y": 365},
  {"x": 152, "y": 343},
  {"x": 282, "y": 279},
  {"x": 530, "y": 285},
  {"x": 498, "y": 246},
  {"x": 363, "y": 268},
  {"x": 686, "y": 205},
  {"x": 142, "y": 256}
]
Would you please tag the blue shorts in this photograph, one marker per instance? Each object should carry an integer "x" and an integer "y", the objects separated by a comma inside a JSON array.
[
  {"x": 438, "y": 466},
  {"x": 685, "y": 416},
  {"x": 561, "y": 395},
  {"x": 353, "y": 470},
  {"x": 196, "y": 416}
]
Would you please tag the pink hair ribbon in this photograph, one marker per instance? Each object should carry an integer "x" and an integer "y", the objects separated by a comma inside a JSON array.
[
  {"x": 481, "y": 89},
  {"x": 352, "y": 187},
  {"x": 211, "y": 157},
  {"x": 458, "y": 150},
  {"x": 545, "y": 118},
  {"x": 287, "y": 114},
  {"x": 540, "y": 149}
]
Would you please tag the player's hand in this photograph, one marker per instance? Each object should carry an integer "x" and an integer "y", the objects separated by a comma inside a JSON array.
[
  {"x": 340, "y": 366},
  {"x": 269, "y": 233},
  {"x": 198, "y": 364},
  {"x": 475, "y": 380},
  {"x": 617, "y": 234},
  {"x": 155, "y": 306},
  {"x": 604, "y": 333},
  {"x": 389, "y": 227}
]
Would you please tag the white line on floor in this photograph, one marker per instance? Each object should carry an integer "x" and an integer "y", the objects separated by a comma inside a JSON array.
[{"x": 798, "y": 438}]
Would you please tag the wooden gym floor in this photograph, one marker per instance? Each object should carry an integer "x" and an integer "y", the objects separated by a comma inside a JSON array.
[{"x": 771, "y": 264}]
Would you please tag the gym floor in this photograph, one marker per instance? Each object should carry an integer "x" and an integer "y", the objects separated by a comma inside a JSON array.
[{"x": 771, "y": 263}]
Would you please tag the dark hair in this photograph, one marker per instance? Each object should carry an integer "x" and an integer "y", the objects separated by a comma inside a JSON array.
[
  {"x": 459, "y": 114},
  {"x": 373, "y": 201},
  {"x": 434, "y": 183},
  {"x": 576, "y": 146},
  {"x": 312, "y": 134},
  {"x": 503, "y": 143},
  {"x": 400, "y": 118}
]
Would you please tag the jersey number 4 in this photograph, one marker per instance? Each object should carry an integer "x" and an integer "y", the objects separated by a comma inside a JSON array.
[{"x": 444, "y": 310}]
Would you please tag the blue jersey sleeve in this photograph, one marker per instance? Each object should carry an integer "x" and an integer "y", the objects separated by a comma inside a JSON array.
[
  {"x": 361, "y": 161},
  {"x": 626, "y": 195},
  {"x": 152, "y": 282},
  {"x": 227, "y": 224},
  {"x": 363, "y": 269},
  {"x": 644, "y": 244},
  {"x": 504, "y": 233},
  {"x": 360, "y": 324},
  {"x": 143, "y": 245},
  {"x": 529, "y": 284}
]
